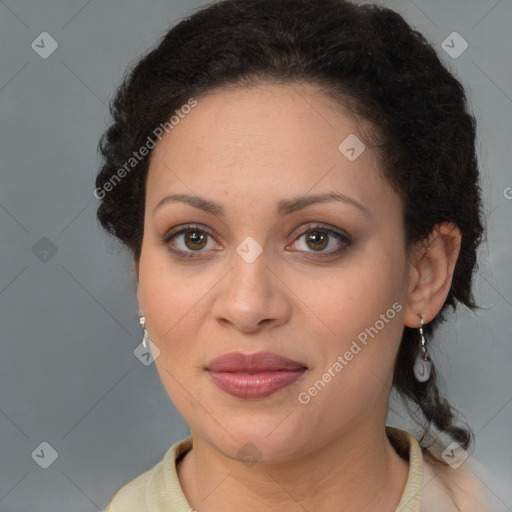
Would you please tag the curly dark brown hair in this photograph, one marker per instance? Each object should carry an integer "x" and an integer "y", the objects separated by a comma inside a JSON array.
[{"x": 374, "y": 63}]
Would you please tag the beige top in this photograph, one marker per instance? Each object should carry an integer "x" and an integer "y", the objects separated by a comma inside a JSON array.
[{"x": 159, "y": 490}]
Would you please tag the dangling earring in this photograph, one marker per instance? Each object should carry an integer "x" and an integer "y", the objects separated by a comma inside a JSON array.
[
  {"x": 422, "y": 365},
  {"x": 145, "y": 339}
]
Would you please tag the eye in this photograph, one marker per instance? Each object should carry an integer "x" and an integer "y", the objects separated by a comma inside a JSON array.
[
  {"x": 322, "y": 240},
  {"x": 189, "y": 239},
  {"x": 192, "y": 240}
]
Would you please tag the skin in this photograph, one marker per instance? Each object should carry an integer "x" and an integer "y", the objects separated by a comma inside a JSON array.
[{"x": 247, "y": 149}]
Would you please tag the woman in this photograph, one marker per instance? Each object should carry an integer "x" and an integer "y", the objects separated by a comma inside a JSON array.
[{"x": 298, "y": 184}]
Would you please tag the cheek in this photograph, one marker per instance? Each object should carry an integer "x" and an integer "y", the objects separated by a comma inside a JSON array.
[
  {"x": 173, "y": 305},
  {"x": 362, "y": 308},
  {"x": 171, "y": 299},
  {"x": 353, "y": 297}
]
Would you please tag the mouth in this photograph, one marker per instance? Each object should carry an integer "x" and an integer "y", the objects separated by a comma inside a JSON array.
[{"x": 254, "y": 376}]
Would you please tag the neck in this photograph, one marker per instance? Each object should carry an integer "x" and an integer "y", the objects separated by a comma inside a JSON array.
[{"x": 359, "y": 471}]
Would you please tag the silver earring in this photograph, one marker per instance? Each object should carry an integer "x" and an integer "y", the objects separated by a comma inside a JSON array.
[
  {"x": 145, "y": 339},
  {"x": 422, "y": 365}
]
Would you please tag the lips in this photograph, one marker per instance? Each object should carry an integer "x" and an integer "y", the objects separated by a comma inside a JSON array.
[{"x": 253, "y": 376}]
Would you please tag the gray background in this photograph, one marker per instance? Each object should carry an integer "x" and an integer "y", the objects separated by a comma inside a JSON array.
[{"x": 69, "y": 320}]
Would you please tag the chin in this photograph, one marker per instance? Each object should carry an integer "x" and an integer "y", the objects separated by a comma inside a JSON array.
[{"x": 262, "y": 442}]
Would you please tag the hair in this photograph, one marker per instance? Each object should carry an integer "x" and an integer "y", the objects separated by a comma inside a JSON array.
[{"x": 375, "y": 64}]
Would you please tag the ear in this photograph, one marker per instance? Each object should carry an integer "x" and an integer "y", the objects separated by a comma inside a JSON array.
[{"x": 432, "y": 265}]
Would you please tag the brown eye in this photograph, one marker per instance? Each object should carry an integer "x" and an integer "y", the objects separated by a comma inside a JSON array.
[
  {"x": 320, "y": 240},
  {"x": 317, "y": 240},
  {"x": 195, "y": 240},
  {"x": 188, "y": 240}
]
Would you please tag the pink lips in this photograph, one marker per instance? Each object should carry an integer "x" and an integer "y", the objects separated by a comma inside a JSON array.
[{"x": 253, "y": 376}]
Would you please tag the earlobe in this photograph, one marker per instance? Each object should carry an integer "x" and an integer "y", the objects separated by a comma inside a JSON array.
[{"x": 432, "y": 267}]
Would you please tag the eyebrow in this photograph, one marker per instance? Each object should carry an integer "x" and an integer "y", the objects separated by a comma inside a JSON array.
[{"x": 284, "y": 207}]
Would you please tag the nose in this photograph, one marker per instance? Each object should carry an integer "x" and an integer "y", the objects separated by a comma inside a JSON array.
[{"x": 251, "y": 298}]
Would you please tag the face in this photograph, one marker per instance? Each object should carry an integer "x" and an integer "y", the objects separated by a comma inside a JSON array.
[{"x": 245, "y": 260}]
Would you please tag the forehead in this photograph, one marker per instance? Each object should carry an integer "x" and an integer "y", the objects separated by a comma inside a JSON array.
[{"x": 263, "y": 140}]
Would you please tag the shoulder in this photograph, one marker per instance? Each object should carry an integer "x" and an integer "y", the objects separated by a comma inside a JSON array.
[
  {"x": 434, "y": 486},
  {"x": 446, "y": 489},
  {"x": 132, "y": 495},
  {"x": 156, "y": 489}
]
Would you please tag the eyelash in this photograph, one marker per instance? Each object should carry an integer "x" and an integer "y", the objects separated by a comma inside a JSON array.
[{"x": 342, "y": 238}]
